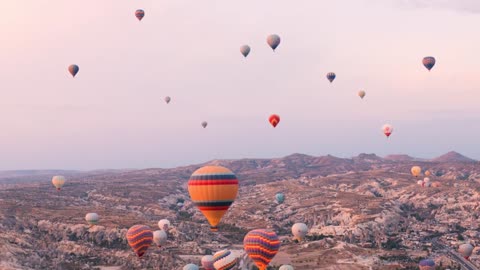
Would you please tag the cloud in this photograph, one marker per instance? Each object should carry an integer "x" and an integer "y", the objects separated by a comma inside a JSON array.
[{"x": 472, "y": 6}]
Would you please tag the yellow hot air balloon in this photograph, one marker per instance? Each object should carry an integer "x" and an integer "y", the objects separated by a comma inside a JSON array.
[
  {"x": 58, "y": 181},
  {"x": 213, "y": 189},
  {"x": 416, "y": 170}
]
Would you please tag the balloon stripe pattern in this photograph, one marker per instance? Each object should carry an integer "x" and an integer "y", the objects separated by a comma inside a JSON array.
[
  {"x": 224, "y": 260},
  {"x": 139, "y": 237},
  {"x": 261, "y": 246},
  {"x": 213, "y": 189},
  {"x": 139, "y": 13}
]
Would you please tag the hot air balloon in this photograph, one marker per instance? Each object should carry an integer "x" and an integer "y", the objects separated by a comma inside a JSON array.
[
  {"x": 245, "y": 50},
  {"x": 420, "y": 183},
  {"x": 387, "y": 130},
  {"x": 416, "y": 170},
  {"x": 286, "y": 267},
  {"x": 159, "y": 238},
  {"x": 261, "y": 246},
  {"x": 224, "y": 260},
  {"x": 331, "y": 76},
  {"x": 139, "y": 237},
  {"x": 274, "y": 120},
  {"x": 163, "y": 224},
  {"x": 429, "y": 62},
  {"x": 204, "y": 124},
  {"x": 139, "y": 13},
  {"x": 361, "y": 94},
  {"x": 213, "y": 189},
  {"x": 427, "y": 173},
  {"x": 426, "y": 180},
  {"x": 465, "y": 250},
  {"x": 273, "y": 41},
  {"x": 190, "y": 266},
  {"x": 73, "y": 69},
  {"x": 299, "y": 231},
  {"x": 280, "y": 197},
  {"x": 207, "y": 262},
  {"x": 427, "y": 264},
  {"x": 167, "y": 99},
  {"x": 58, "y": 181},
  {"x": 92, "y": 219}
]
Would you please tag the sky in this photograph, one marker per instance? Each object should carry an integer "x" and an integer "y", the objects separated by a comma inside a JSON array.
[{"x": 112, "y": 115}]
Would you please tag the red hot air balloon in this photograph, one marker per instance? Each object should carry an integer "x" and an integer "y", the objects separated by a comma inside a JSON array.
[
  {"x": 140, "y": 237},
  {"x": 274, "y": 120},
  {"x": 139, "y": 13}
]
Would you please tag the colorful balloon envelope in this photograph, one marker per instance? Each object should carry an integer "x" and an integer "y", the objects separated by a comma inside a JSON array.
[
  {"x": 224, "y": 260},
  {"x": 280, "y": 197},
  {"x": 465, "y": 250},
  {"x": 361, "y": 94},
  {"x": 207, "y": 262},
  {"x": 92, "y": 219},
  {"x": 429, "y": 62},
  {"x": 139, "y": 13},
  {"x": 416, "y": 170},
  {"x": 427, "y": 264},
  {"x": 261, "y": 246},
  {"x": 190, "y": 266},
  {"x": 58, "y": 181},
  {"x": 299, "y": 231},
  {"x": 159, "y": 238},
  {"x": 273, "y": 41},
  {"x": 213, "y": 189},
  {"x": 73, "y": 69},
  {"x": 274, "y": 120},
  {"x": 245, "y": 50},
  {"x": 140, "y": 237},
  {"x": 331, "y": 76},
  {"x": 387, "y": 130}
]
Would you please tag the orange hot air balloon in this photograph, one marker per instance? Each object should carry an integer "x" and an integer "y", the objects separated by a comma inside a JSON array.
[
  {"x": 213, "y": 189},
  {"x": 274, "y": 120}
]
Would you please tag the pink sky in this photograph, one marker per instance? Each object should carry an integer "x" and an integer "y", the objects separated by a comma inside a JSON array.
[{"x": 112, "y": 115}]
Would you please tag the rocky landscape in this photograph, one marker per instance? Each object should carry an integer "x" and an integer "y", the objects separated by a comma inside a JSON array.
[{"x": 365, "y": 212}]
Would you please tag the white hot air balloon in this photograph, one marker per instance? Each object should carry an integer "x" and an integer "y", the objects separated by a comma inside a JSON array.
[
  {"x": 207, "y": 262},
  {"x": 286, "y": 267},
  {"x": 190, "y": 266},
  {"x": 160, "y": 237},
  {"x": 92, "y": 219},
  {"x": 299, "y": 231},
  {"x": 465, "y": 250},
  {"x": 58, "y": 181},
  {"x": 164, "y": 224}
]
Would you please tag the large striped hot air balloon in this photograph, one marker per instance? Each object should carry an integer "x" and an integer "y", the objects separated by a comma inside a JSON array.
[
  {"x": 427, "y": 264},
  {"x": 140, "y": 237},
  {"x": 429, "y": 62},
  {"x": 261, "y": 246},
  {"x": 213, "y": 189},
  {"x": 224, "y": 260}
]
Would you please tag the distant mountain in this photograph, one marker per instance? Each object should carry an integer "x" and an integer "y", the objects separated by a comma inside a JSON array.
[
  {"x": 453, "y": 156},
  {"x": 399, "y": 158}
]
